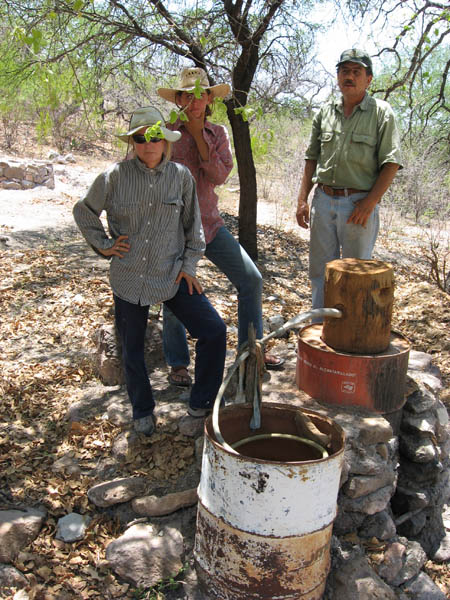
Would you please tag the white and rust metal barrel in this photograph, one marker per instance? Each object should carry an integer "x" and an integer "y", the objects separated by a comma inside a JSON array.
[{"x": 265, "y": 519}]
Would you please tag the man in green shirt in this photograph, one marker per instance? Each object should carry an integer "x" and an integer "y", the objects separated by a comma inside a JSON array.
[{"x": 353, "y": 156}]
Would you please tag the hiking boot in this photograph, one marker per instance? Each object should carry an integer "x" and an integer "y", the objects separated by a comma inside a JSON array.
[
  {"x": 144, "y": 425},
  {"x": 199, "y": 413}
]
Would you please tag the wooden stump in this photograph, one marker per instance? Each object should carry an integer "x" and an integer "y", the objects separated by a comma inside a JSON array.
[{"x": 364, "y": 291}]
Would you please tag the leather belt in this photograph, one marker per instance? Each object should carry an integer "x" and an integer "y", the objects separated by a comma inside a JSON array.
[{"x": 329, "y": 191}]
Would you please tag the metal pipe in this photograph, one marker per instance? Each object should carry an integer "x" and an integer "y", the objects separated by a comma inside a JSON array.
[{"x": 315, "y": 312}]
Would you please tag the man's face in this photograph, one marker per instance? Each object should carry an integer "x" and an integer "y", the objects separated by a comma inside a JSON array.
[{"x": 353, "y": 81}]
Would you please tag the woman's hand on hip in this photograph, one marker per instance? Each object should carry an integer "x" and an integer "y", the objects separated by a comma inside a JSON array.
[
  {"x": 192, "y": 282},
  {"x": 119, "y": 247}
]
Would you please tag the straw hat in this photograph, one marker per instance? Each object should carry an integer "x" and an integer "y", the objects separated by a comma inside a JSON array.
[
  {"x": 188, "y": 77},
  {"x": 146, "y": 117}
]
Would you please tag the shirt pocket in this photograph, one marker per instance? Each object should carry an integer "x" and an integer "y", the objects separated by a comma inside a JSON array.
[
  {"x": 362, "y": 150},
  {"x": 126, "y": 215},
  {"x": 170, "y": 214},
  {"x": 327, "y": 145}
]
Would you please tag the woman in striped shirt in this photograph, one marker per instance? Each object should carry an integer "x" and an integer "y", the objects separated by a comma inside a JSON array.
[{"x": 154, "y": 242}]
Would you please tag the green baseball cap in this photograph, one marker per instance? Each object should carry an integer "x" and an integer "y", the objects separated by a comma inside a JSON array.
[{"x": 357, "y": 56}]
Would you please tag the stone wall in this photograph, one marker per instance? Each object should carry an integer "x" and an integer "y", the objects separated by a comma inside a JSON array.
[
  {"x": 25, "y": 175},
  {"x": 394, "y": 488}
]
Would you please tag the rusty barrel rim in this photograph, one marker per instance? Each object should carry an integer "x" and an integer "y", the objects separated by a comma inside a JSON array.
[
  {"x": 271, "y": 436},
  {"x": 335, "y": 430}
]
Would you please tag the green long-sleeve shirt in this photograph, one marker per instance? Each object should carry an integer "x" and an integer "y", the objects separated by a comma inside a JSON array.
[{"x": 350, "y": 152}]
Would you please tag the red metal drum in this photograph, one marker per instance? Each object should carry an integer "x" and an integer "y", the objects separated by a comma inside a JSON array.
[{"x": 376, "y": 382}]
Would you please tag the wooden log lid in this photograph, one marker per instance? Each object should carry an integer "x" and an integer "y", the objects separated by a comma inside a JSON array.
[{"x": 364, "y": 291}]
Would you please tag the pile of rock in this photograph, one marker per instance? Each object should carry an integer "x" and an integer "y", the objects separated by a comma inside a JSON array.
[
  {"x": 21, "y": 175},
  {"x": 395, "y": 485}
]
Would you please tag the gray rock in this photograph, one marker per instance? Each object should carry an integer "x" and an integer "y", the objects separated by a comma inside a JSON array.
[
  {"x": 361, "y": 485},
  {"x": 355, "y": 580},
  {"x": 275, "y": 322},
  {"x": 421, "y": 400},
  {"x": 72, "y": 527},
  {"x": 116, "y": 491},
  {"x": 10, "y": 578},
  {"x": 364, "y": 461},
  {"x": 154, "y": 506},
  {"x": 107, "y": 357},
  {"x": 191, "y": 427},
  {"x": 423, "y": 587},
  {"x": 419, "y": 361},
  {"x": 347, "y": 521},
  {"x": 423, "y": 424},
  {"x": 431, "y": 381},
  {"x": 374, "y": 430},
  {"x": 442, "y": 554},
  {"x": 17, "y": 529},
  {"x": 380, "y": 525},
  {"x": 95, "y": 402},
  {"x": 370, "y": 504},
  {"x": 419, "y": 474},
  {"x": 67, "y": 464},
  {"x": 393, "y": 561},
  {"x": 418, "y": 449},
  {"x": 119, "y": 411},
  {"x": 442, "y": 413},
  {"x": 143, "y": 557},
  {"x": 124, "y": 444},
  {"x": 414, "y": 560},
  {"x": 407, "y": 499}
]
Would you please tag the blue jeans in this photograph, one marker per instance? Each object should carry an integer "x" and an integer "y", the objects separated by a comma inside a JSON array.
[
  {"x": 202, "y": 322},
  {"x": 331, "y": 235},
  {"x": 227, "y": 254}
]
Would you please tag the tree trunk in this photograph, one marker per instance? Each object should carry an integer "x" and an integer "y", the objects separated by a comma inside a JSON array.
[
  {"x": 364, "y": 291},
  {"x": 247, "y": 181}
]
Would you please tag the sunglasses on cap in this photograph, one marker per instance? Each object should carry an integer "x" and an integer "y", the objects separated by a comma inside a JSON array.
[{"x": 141, "y": 139}]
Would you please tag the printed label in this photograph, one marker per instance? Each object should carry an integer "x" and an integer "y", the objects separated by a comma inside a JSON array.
[{"x": 348, "y": 387}]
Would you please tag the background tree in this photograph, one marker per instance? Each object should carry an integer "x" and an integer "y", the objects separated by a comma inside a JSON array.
[{"x": 261, "y": 43}]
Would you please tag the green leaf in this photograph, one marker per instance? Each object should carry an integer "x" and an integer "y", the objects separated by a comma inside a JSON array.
[
  {"x": 198, "y": 90},
  {"x": 78, "y": 5},
  {"x": 154, "y": 131},
  {"x": 173, "y": 116}
]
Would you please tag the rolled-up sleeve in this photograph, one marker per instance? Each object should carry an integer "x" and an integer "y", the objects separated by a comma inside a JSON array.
[
  {"x": 389, "y": 149},
  {"x": 313, "y": 149},
  {"x": 87, "y": 213},
  {"x": 220, "y": 162},
  {"x": 192, "y": 223}
]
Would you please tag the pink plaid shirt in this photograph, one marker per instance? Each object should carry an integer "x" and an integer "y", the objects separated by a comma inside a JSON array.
[{"x": 207, "y": 174}]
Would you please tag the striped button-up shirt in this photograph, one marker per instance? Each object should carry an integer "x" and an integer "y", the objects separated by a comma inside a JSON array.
[
  {"x": 207, "y": 173},
  {"x": 158, "y": 210}
]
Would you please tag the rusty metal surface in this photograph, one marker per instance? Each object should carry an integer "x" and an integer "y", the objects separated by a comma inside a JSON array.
[
  {"x": 236, "y": 565},
  {"x": 264, "y": 526},
  {"x": 376, "y": 382},
  {"x": 264, "y": 497}
]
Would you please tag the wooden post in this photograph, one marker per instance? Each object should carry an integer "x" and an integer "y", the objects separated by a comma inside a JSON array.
[{"x": 364, "y": 291}]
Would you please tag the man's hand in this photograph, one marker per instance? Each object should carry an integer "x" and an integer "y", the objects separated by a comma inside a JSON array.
[
  {"x": 302, "y": 214},
  {"x": 120, "y": 247},
  {"x": 192, "y": 282},
  {"x": 362, "y": 211}
]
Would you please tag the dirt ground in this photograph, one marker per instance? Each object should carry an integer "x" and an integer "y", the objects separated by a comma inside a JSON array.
[{"x": 53, "y": 296}]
